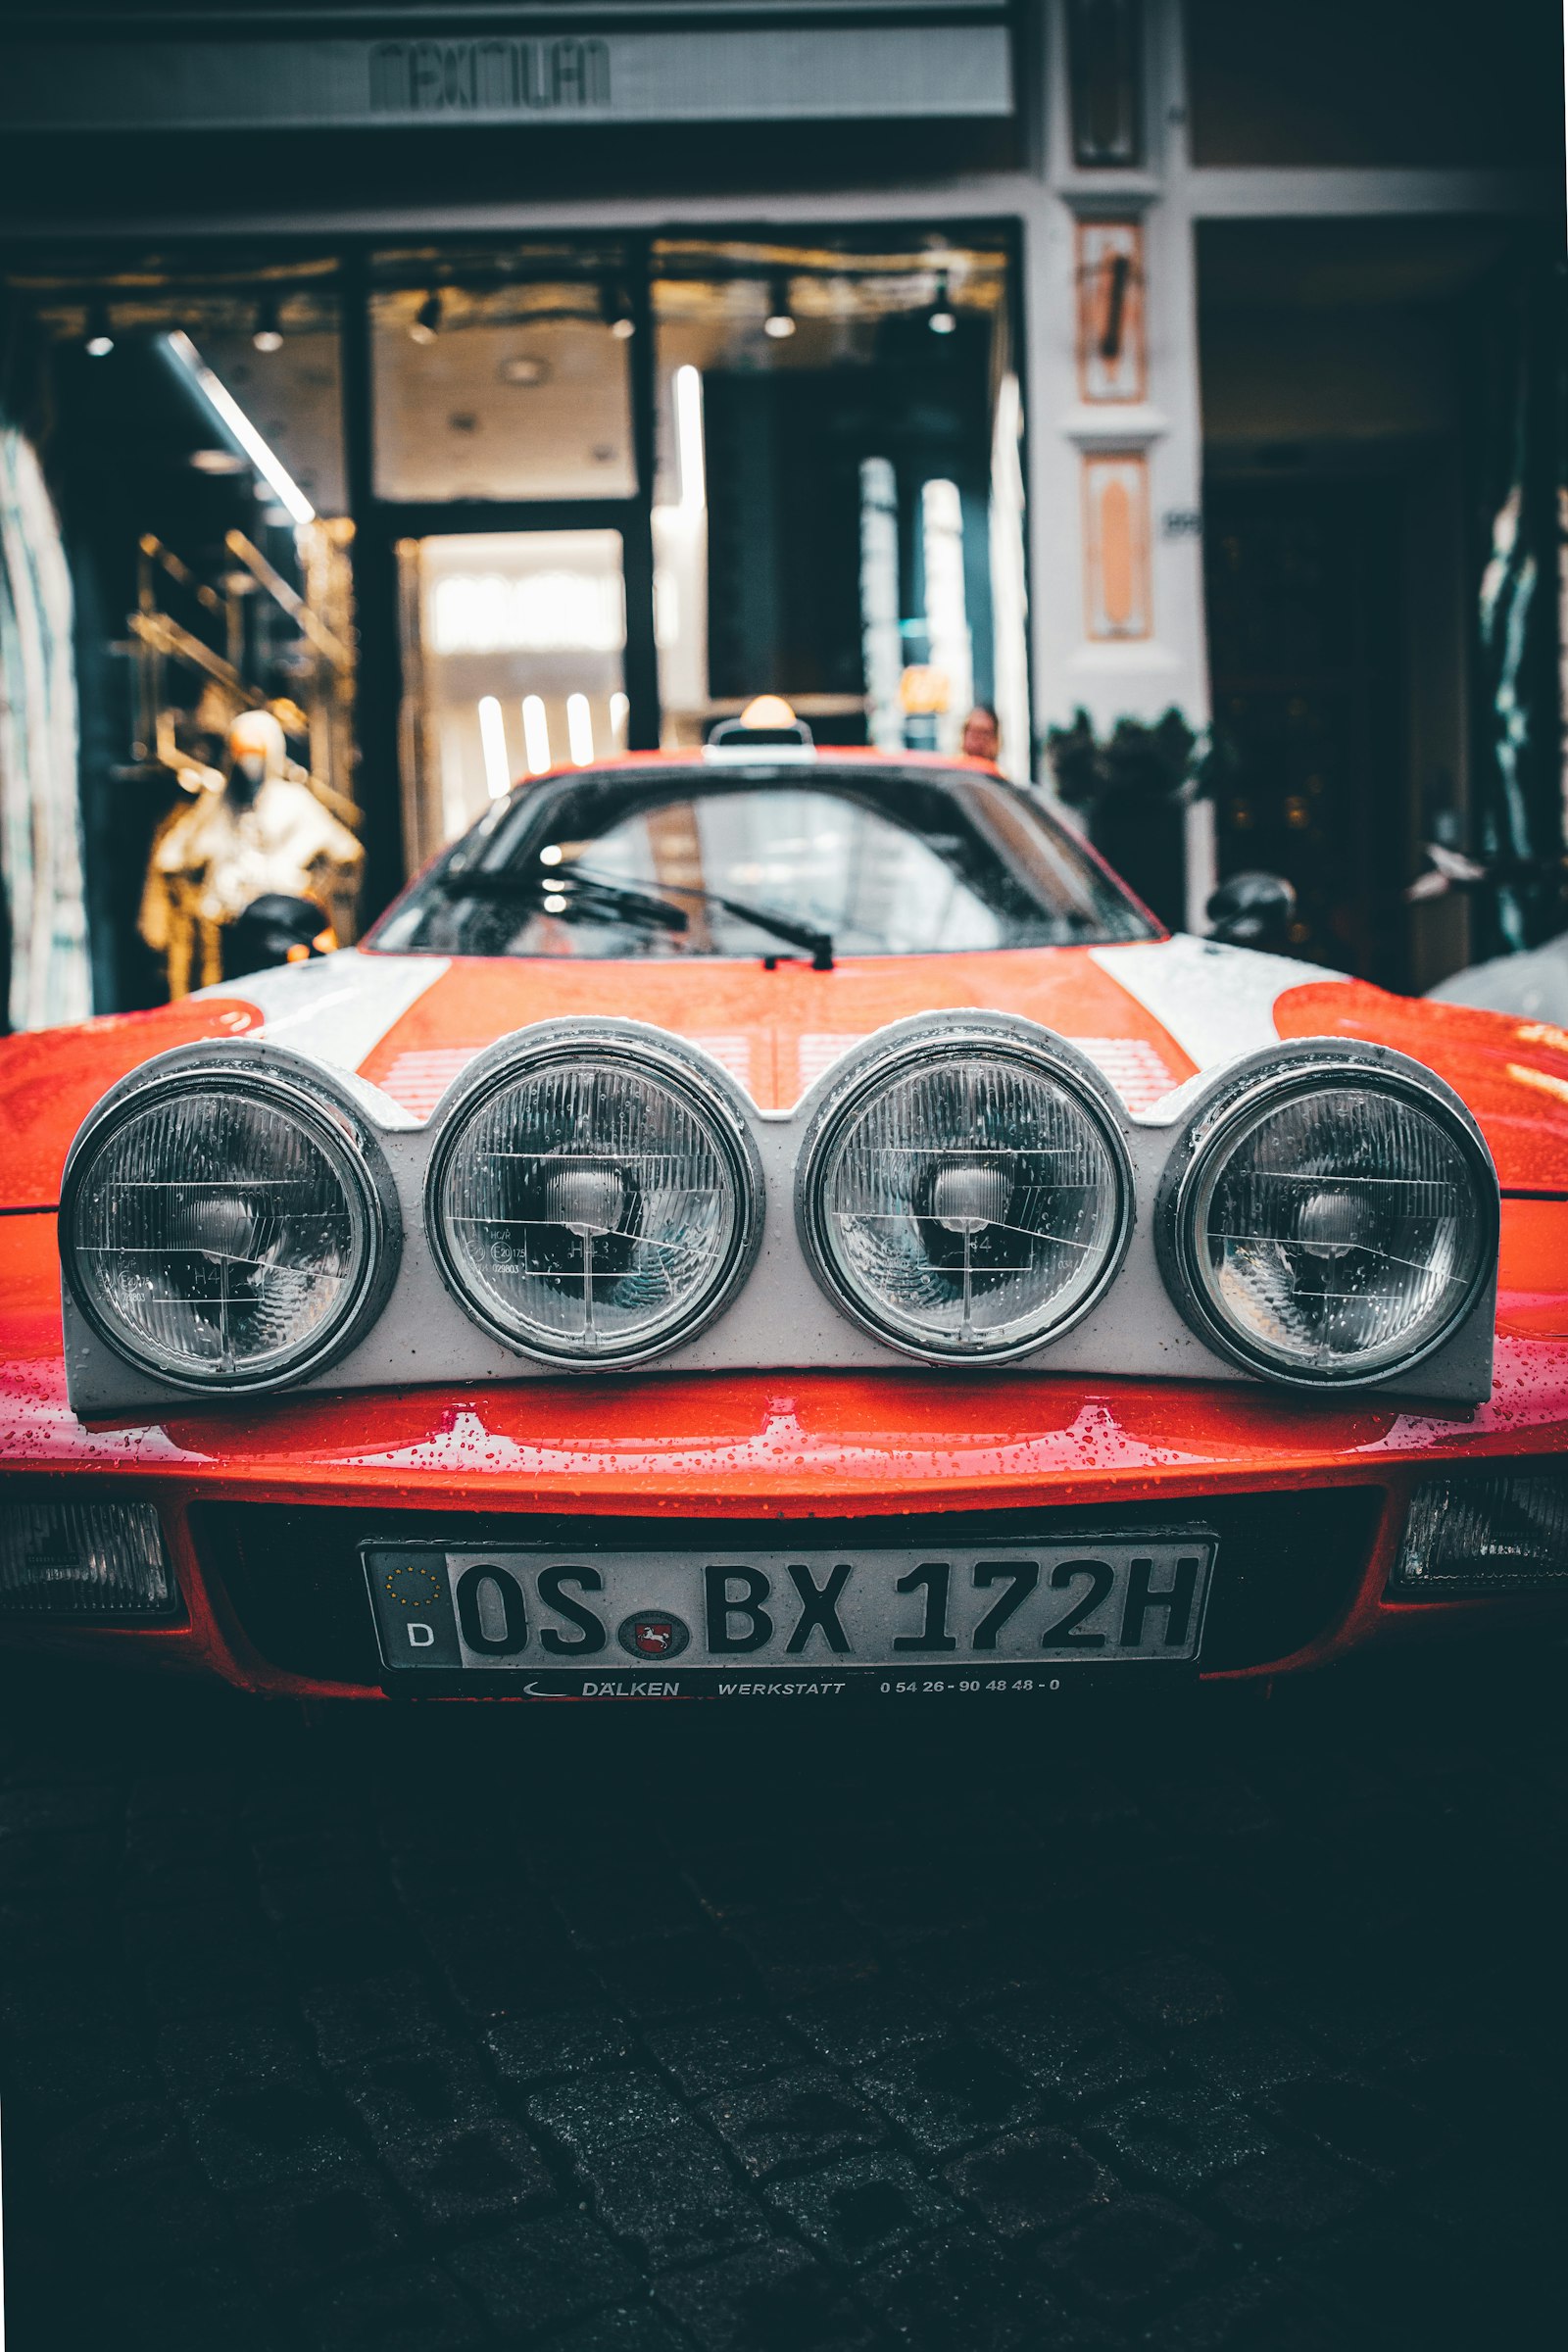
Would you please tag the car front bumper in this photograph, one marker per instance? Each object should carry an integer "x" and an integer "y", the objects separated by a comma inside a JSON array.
[{"x": 263, "y": 1506}]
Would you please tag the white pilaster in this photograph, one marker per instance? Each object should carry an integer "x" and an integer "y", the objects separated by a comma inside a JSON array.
[{"x": 1078, "y": 663}]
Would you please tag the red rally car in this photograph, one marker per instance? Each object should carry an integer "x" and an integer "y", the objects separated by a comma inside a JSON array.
[{"x": 774, "y": 1222}]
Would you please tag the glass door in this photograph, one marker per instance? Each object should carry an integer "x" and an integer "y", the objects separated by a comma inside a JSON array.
[
  {"x": 502, "y": 477},
  {"x": 514, "y": 647}
]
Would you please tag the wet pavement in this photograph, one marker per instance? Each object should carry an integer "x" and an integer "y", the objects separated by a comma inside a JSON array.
[{"x": 622, "y": 2030}]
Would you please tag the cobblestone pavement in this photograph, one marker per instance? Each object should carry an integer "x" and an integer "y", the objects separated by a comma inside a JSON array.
[{"x": 637, "y": 2031}]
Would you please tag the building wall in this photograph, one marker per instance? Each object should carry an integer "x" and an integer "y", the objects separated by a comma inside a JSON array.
[{"x": 1386, "y": 110}]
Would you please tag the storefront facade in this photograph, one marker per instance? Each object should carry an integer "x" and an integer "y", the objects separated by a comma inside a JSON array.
[{"x": 580, "y": 373}]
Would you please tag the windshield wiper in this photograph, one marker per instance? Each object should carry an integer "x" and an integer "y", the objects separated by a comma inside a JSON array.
[
  {"x": 584, "y": 893},
  {"x": 580, "y": 894},
  {"x": 817, "y": 944}
]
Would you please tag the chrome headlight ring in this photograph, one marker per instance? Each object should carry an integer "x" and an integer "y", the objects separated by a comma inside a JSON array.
[
  {"x": 1329, "y": 1224},
  {"x": 578, "y": 1234},
  {"x": 986, "y": 1187},
  {"x": 208, "y": 1225}
]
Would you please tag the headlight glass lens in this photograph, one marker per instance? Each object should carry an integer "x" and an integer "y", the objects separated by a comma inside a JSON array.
[
  {"x": 218, "y": 1237},
  {"x": 970, "y": 1206},
  {"x": 1339, "y": 1232},
  {"x": 590, "y": 1210}
]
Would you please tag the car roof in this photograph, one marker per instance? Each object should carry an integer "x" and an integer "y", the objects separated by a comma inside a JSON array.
[{"x": 803, "y": 757}]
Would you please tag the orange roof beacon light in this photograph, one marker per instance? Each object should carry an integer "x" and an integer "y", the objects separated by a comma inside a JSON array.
[
  {"x": 767, "y": 724},
  {"x": 767, "y": 711}
]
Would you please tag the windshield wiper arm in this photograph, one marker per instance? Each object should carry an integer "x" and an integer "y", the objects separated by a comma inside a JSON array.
[
  {"x": 607, "y": 900},
  {"x": 604, "y": 897},
  {"x": 817, "y": 944}
]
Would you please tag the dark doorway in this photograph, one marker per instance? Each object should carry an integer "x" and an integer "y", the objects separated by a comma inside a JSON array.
[{"x": 1304, "y": 581}]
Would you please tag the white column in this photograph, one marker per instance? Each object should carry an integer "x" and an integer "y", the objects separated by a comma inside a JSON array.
[{"x": 1115, "y": 450}]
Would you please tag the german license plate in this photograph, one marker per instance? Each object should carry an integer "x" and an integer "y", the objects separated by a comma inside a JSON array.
[{"x": 820, "y": 1622}]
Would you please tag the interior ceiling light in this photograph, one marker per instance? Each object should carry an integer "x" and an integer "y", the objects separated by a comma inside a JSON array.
[
  {"x": 428, "y": 320},
  {"x": 525, "y": 367},
  {"x": 240, "y": 429},
  {"x": 268, "y": 335},
  {"x": 100, "y": 342},
  {"x": 940, "y": 318},
  {"x": 781, "y": 319},
  {"x": 218, "y": 461}
]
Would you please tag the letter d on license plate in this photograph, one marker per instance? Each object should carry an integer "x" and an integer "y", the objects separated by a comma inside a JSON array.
[{"x": 721, "y": 1622}]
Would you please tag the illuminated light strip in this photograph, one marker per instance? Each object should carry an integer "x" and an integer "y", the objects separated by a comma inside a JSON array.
[
  {"x": 226, "y": 408},
  {"x": 535, "y": 734},
  {"x": 493, "y": 737},
  {"x": 579, "y": 730},
  {"x": 688, "y": 438}
]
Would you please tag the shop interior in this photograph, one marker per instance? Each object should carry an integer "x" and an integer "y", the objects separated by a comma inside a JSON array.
[{"x": 452, "y": 517}]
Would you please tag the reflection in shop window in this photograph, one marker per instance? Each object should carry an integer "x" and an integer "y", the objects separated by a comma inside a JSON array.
[
  {"x": 827, "y": 511},
  {"x": 680, "y": 553},
  {"x": 946, "y": 614},
  {"x": 881, "y": 637}
]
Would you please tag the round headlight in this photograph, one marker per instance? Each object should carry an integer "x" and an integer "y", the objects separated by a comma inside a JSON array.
[
  {"x": 1330, "y": 1225},
  {"x": 222, "y": 1229},
  {"x": 593, "y": 1200},
  {"x": 965, "y": 1196}
]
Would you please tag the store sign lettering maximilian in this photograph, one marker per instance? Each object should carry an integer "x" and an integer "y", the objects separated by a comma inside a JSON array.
[
  {"x": 738, "y": 73},
  {"x": 425, "y": 77}
]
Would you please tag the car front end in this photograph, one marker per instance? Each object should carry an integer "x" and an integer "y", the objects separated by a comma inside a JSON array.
[{"x": 426, "y": 1322}]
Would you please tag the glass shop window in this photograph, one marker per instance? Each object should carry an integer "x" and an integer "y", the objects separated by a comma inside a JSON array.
[
  {"x": 514, "y": 653},
  {"x": 838, "y": 510},
  {"x": 500, "y": 376},
  {"x": 188, "y": 411}
]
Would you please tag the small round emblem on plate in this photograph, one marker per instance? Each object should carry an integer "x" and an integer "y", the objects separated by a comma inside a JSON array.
[{"x": 652, "y": 1633}]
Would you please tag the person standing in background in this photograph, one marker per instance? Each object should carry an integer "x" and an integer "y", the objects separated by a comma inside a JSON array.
[{"x": 982, "y": 735}]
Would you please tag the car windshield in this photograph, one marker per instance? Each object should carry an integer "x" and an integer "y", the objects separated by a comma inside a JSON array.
[{"x": 878, "y": 861}]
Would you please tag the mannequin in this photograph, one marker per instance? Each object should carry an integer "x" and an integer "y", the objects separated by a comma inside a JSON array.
[{"x": 256, "y": 831}]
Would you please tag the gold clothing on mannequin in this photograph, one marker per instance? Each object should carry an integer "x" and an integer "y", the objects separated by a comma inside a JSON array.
[{"x": 264, "y": 831}]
